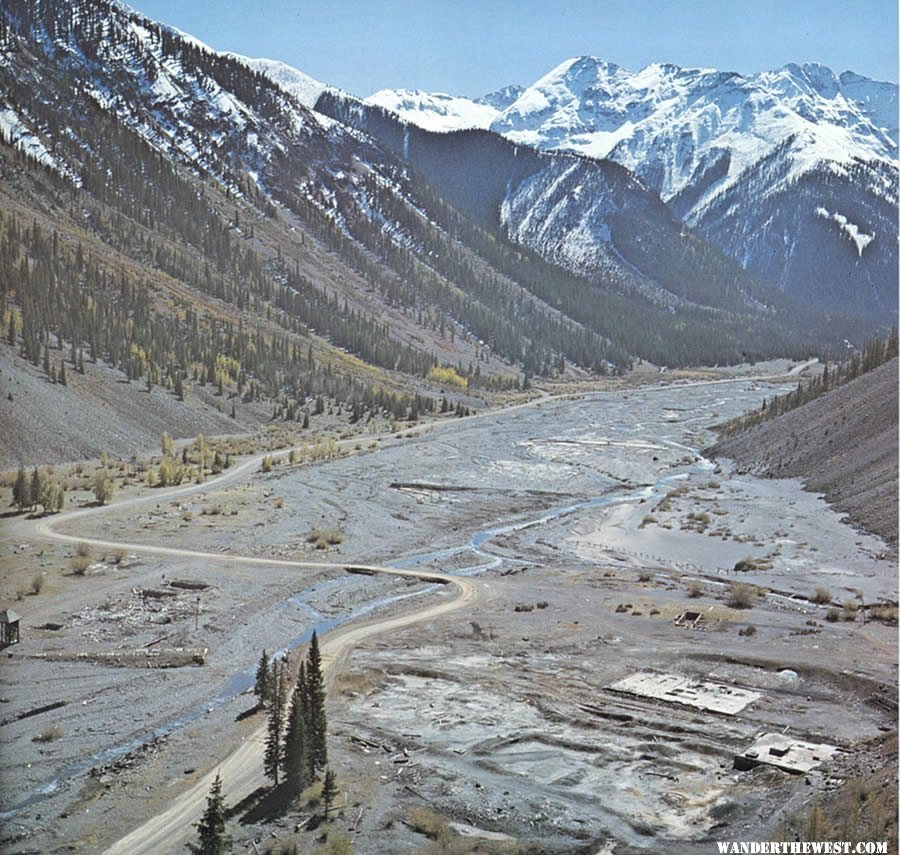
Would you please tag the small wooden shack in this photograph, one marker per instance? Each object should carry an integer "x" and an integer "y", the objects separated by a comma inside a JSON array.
[{"x": 9, "y": 627}]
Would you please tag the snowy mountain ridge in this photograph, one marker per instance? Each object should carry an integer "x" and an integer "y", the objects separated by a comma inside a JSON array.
[
  {"x": 749, "y": 161},
  {"x": 440, "y": 112},
  {"x": 667, "y": 123},
  {"x": 265, "y": 130}
]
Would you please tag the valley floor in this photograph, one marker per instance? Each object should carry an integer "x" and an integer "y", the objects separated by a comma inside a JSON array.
[{"x": 586, "y": 527}]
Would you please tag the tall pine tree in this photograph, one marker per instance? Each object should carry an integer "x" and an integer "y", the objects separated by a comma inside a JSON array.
[
  {"x": 263, "y": 686},
  {"x": 298, "y": 770},
  {"x": 211, "y": 829},
  {"x": 22, "y": 490},
  {"x": 315, "y": 693},
  {"x": 329, "y": 791},
  {"x": 274, "y": 757}
]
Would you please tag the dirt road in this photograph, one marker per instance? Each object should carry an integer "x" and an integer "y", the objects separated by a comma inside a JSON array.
[{"x": 241, "y": 771}]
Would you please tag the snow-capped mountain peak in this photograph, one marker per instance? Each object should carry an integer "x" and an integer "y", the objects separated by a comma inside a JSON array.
[
  {"x": 440, "y": 112},
  {"x": 752, "y": 161},
  {"x": 671, "y": 124}
]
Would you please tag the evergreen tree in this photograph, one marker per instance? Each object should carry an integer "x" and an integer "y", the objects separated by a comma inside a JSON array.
[
  {"x": 329, "y": 791},
  {"x": 211, "y": 829},
  {"x": 22, "y": 490},
  {"x": 273, "y": 757},
  {"x": 315, "y": 694},
  {"x": 298, "y": 770},
  {"x": 34, "y": 494},
  {"x": 263, "y": 686}
]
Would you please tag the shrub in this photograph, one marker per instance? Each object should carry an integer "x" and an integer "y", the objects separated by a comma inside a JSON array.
[
  {"x": 325, "y": 537},
  {"x": 851, "y": 607},
  {"x": 741, "y": 596},
  {"x": 83, "y": 549},
  {"x": 695, "y": 589},
  {"x": 888, "y": 614},
  {"x": 747, "y": 631},
  {"x": 48, "y": 734},
  {"x": 821, "y": 597},
  {"x": 833, "y": 615},
  {"x": 118, "y": 556},
  {"x": 427, "y": 822},
  {"x": 645, "y": 577},
  {"x": 80, "y": 564},
  {"x": 37, "y": 583},
  {"x": 279, "y": 502}
]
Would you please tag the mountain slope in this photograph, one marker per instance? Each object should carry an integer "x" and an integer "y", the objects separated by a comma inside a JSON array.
[
  {"x": 749, "y": 161},
  {"x": 843, "y": 444},
  {"x": 398, "y": 290},
  {"x": 184, "y": 218},
  {"x": 600, "y": 222}
]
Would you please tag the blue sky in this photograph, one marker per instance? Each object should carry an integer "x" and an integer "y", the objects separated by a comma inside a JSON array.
[{"x": 472, "y": 47}]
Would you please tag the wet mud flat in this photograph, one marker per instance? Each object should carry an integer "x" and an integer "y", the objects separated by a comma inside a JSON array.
[{"x": 503, "y": 715}]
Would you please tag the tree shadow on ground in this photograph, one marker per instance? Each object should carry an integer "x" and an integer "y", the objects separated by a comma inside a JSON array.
[{"x": 264, "y": 804}]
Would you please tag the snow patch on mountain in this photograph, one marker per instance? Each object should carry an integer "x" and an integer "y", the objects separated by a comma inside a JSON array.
[
  {"x": 435, "y": 111},
  {"x": 304, "y": 88},
  {"x": 17, "y": 133},
  {"x": 557, "y": 212},
  {"x": 856, "y": 235}
]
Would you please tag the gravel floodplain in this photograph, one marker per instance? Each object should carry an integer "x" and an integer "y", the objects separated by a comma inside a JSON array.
[{"x": 505, "y": 709}]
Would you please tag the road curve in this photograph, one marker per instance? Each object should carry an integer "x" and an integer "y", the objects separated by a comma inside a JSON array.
[{"x": 241, "y": 772}]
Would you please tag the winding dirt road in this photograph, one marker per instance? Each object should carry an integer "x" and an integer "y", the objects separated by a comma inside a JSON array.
[{"x": 241, "y": 771}]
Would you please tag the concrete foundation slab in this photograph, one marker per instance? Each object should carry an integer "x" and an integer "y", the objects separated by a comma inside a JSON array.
[
  {"x": 677, "y": 688},
  {"x": 785, "y": 752}
]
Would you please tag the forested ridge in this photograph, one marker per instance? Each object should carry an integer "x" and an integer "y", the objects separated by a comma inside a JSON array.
[{"x": 874, "y": 353}]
